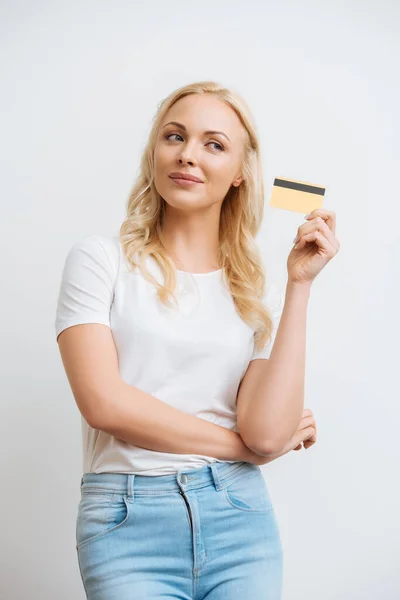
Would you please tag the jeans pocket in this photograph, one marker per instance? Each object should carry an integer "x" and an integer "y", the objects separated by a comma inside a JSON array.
[
  {"x": 99, "y": 514},
  {"x": 248, "y": 491}
]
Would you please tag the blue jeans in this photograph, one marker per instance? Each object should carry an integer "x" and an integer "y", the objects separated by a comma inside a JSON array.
[{"x": 209, "y": 533}]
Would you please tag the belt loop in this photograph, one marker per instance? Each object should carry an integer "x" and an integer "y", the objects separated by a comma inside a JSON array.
[
  {"x": 130, "y": 492},
  {"x": 217, "y": 482}
]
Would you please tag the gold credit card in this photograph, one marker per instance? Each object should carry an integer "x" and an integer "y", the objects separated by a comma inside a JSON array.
[{"x": 299, "y": 196}]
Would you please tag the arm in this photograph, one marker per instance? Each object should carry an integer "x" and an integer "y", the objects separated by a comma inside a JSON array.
[
  {"x": 90, "y": 360},
  {"x": 143, "y": 420},
  {"x": 108, "y": 403},
  {"x": 271, "y": 395}
]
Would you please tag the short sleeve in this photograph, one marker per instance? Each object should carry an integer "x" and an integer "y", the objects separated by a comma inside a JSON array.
[
  {"x": 275, "y": 301},
  {"x": 87, "y": 286}
]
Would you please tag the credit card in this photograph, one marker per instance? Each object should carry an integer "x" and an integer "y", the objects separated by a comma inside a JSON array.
[{"x": 299, "y": 196}]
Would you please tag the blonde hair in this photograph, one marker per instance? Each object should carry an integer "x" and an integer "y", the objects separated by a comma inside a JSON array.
[{"x": 240, "y": 219}]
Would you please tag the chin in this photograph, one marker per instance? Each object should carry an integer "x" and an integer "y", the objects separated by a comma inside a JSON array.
[{"x": 182, "y": 200}]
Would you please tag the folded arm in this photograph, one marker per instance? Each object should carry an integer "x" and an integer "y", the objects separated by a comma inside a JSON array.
[
  {"x": 109, "y": 404},
  {"x": 271, "y": 395}
]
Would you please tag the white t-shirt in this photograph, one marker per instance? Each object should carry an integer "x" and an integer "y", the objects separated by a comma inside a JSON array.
[{"x": 193, "y": 359}]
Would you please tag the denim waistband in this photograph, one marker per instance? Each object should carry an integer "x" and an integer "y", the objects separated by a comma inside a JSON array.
[{"x": 216, "y": 473}]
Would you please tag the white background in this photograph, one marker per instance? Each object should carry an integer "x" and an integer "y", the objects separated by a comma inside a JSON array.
[{"x": 80, "y": 83}]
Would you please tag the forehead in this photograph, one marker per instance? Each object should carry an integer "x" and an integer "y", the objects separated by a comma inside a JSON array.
[{"x": 205, "y": 112}]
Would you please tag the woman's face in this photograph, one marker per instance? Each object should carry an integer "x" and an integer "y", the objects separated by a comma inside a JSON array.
[{"x": 213, "y": 157}]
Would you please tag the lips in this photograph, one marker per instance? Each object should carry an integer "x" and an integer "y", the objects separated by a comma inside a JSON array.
[{"x": 185, "y": 176}]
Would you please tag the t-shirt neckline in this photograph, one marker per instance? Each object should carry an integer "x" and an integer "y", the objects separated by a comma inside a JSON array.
[{"x": 199, "y": 274}]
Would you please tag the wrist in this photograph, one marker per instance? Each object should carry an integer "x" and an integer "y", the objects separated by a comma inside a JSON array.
[{"x": 297, "y": 288}]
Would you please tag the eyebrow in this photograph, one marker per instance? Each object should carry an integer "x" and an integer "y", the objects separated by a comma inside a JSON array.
[{"x": 206, "y": 132}]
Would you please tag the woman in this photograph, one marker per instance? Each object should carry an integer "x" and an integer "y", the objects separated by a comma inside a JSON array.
[{"x": 164, "y": 332}]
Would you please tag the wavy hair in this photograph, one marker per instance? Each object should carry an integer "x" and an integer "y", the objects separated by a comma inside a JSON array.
[{"x": 240, "y": 219}]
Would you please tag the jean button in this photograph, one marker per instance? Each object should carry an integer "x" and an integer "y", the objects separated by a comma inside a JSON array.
[{"x": 184, "y": 479}]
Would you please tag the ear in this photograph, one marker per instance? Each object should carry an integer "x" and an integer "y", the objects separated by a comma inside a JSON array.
[{"x": 237, "y": 181}]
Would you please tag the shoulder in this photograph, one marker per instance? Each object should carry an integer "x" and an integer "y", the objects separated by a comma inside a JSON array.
[{"x": 97, "y": 249}]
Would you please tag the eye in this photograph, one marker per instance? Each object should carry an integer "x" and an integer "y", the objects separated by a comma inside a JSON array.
[
  {"x": 220, "y": 146},
  {"x": 168, "y": 135}
]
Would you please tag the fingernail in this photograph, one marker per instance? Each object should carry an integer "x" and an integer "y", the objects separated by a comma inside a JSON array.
[
  {"x": 306, "y": 217},
  {"x": 295, "y": 239}
]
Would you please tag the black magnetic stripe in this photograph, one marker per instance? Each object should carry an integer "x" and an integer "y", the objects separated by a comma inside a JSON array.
[{"x": 300, "y": 187}]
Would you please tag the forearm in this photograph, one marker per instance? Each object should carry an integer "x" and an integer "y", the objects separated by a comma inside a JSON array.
[
  {"x": 143, "y": 420},
  {"x": 276, "y": 407}
]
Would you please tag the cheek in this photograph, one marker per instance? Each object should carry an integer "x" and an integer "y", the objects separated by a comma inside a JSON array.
[
  {"x": 161, "y": 166},
  {"x": 157, "y": 158},
  {"x": 161, "y": 153},
  {"x": 220, "y": 176}
]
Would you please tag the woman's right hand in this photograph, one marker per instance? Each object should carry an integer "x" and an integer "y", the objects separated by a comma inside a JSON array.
[{"x": 306, "y": 433}]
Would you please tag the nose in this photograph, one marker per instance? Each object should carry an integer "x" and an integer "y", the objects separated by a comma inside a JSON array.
[
  {"x": 184, "y": 159},
  {"x": 185, "y": 156}
]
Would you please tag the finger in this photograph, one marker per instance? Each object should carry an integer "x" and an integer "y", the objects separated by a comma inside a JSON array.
[
  {"x": 306, "y": 422},
  {"x": 308, "y": 443},
  {"x": 320, "y": 240},
  {"x": 317, "y": 224},
  {"x": 311, "y": 440},
  {"x": 302, "y": 435},
  {"x": 327, "y": 215}
]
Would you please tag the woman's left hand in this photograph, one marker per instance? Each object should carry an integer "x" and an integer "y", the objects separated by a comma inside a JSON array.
[{"x": 316, "y": 245}]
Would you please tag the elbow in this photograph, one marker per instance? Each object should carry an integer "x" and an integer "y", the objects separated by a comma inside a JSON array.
[
  {"x": 263, "y": 448},
  {"x": 268, "y": 448},
  {"x": 95, "y": 417},
  {"x": 100, "y": 417},
  {"x": 275, "y": 446},
  {"x": 100, "y": 408},
  {"x": 94, "y": 421},
  {"x": 256, "y": 442}
]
